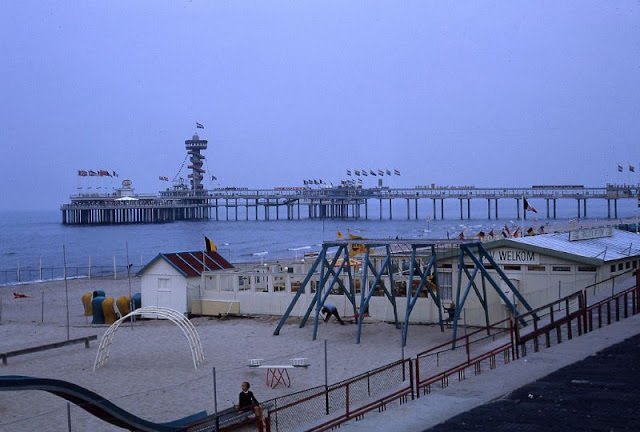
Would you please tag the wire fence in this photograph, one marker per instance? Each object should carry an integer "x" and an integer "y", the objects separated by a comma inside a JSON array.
[{"x": 343, "y": 400}]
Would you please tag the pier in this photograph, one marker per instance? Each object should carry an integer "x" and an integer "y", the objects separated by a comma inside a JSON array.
[{"x": 337, "y": 202}]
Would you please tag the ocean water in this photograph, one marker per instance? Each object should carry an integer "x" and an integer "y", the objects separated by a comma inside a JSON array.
[{"x": 34, "y": 239}]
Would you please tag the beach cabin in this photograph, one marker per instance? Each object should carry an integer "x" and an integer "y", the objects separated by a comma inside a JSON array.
[
  {"x": 547, "y": 267},
  {"x": 173, "y": 280}
]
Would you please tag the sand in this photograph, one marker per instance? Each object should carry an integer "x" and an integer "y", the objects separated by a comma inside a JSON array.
[{"x": 150, "y": 372}]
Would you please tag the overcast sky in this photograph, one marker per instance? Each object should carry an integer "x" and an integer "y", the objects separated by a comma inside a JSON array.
[{"x": 450, "y": 92}]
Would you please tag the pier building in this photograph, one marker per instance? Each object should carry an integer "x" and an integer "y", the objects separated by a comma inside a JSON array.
[{"x": 191, "y": 201}]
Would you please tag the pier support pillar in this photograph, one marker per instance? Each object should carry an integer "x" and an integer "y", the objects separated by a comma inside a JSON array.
[
  {"x": 469, "y": 208},
  {"x": 518, "y": 207},
  {"x": 442, "y": 208},
  {"x": 554, "y": 208},
  {"x": 390, "y": 210},
  {"x": 461, "y": 215},
  {"x": 497, "y": 217},
  {"x": 578, "y": 208},
  {"x": 434, "y": 209},
  {"x": 489, "y": 208},
  {"x": 408, "y": 210},
  {"x": 615, "y": 208},
  {"x": 608, "y": 209},
  {"x": 584, "y": 207}
]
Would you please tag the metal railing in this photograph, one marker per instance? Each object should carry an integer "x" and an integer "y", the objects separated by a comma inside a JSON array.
[{"x": 464, "y": 352}]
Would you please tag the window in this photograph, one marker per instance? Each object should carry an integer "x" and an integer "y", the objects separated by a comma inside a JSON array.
[
  {"x": 512, "y": 267},
  {"x": 620, "y": 266},
  {"x": 536, "y": 268},
  {"x": 444, "y": 279},
  {"x": 469, "y": 266},
  {"x": 590, "y": 269},
  {"x": 613, "y": 268},
  {"x": 627, "y": 265},
  {"x": 561, "y": 268},
  {"x": 447, "y": 266},
  {"x": 635, "y": 264}
]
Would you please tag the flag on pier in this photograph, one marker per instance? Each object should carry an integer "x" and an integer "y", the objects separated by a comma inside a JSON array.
[
  {"x": 396, "y": 172},
  {"x": 620, "y": 168},
  {"x": 531, "y": 231},
  {"x": 632, "y": 168},
  {"x": 104, "y": 173},
  {"x": 364, "y": 173},
  {"x": 92, "y": 173},
  {"x": 163, "y": 178},
  {"x": 82, "y": 173},
  {"x": 388, "y": 172},
  {"x": 380, "y": 173},
  {"x": 210, "y": 245},
  {"x": 357, "y": 249},
  {"x": 340, "y": 236},
  {"x": 357, "y": 172},
  {"x": 199, "y": 125},
  {"x": 348, "y": 172},
  {"x": 373, "y": 173},
  {"x": 527, "y": 206}
]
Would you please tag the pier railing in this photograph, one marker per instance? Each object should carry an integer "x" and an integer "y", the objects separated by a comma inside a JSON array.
[{"x": 42, "y": 273}]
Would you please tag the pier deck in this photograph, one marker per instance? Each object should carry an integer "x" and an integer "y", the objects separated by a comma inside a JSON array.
[{"x": 335, "y": 202}]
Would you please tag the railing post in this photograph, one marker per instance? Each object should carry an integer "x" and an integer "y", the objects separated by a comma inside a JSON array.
[
  {"x": 418, "y": 376},
  {"x": 468, "y": 348},
  {"x": 513, "y": 352},
  {"x": 347, "y": 399},
  {"x": 411, "y": 383}
]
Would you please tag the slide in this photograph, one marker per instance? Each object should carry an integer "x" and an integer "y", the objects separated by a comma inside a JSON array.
[{"x": 94, "y": 403}]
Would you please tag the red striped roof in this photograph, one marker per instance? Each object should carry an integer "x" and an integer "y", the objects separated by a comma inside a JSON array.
[{"x": 191, "y": 264}]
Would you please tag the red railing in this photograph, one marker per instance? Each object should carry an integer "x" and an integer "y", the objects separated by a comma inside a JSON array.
[
  {"x": 461, "y": 351},
  {"x": 613, "y": 308},
  {"x": 348, "y": 399}
]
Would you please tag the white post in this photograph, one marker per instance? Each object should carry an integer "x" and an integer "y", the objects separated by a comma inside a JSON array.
[
  {"x": 115, "y": 275},
  {"x": 18, "y": 270},
  {"x": 66, "y": 288},
  {"x": 89, "y": 273},
  {"x": 40, "y": 267}
]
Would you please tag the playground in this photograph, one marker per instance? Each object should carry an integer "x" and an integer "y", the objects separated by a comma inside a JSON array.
[{"x": 150, "y": 371}]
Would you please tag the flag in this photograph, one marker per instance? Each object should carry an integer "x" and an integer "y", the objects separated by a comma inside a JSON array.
[
  {"x": 163, "y": 178},
  {"x": 527, "y": 206},
  {"x": 461, "y": 236},
  {"x": 541, "y": 229},
  {"x": 348, "y": 172},
  {"x": 82, "y": 173},
  {"x": 340, "y": 236},
  {"x": 632, "y": 168},
  {"x": 481, "y": 235},
  {"x": 357, "y": 172},
  {"x": 199, "y": 125},
  {"x": 388, "y": 172},
  {"x": 620, "y": 168},
  {"x": 531, "y": 232},
  {"x": 516, "y": 233},
  {"x": 214, "y": 178},
  {"x": 372, "y": 172},
  {"x": 114, "y": 174},
  {"x": 396, "y": 172},
  {"x": 364, "y": 173},
  {"x": 210, "y": 245},
  {"x": 507, "y": 231},
  {"x": 380, "y": 173},
  {"x": 104, "y": 173},
  {"x": 92, "y": 173}
]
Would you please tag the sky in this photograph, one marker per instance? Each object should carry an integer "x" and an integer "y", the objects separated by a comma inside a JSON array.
[{"x": 484, "y": 93}]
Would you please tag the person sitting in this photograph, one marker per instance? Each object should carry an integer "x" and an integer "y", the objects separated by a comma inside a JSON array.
[
  {"x": 248, "y": 402},
  {"x": 328, "y": 310}
]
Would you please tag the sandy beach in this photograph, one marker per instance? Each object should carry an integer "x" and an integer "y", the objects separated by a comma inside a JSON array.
[{"x": 150, "y": 372}]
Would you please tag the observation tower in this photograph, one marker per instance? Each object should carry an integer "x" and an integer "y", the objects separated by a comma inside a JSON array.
[{"x": 194, "y": 146}]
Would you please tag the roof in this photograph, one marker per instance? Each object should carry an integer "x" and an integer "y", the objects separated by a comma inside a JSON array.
[
  {"x": 621, "y": 245},
  {"x": 190, "y": 264}
]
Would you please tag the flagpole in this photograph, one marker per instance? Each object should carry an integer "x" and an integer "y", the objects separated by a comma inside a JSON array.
[{"x": 524, "y": 209}]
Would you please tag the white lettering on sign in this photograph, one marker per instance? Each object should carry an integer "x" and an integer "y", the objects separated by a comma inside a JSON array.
[
  {"x": 514, "y": 256},
  {"x": 591, "y": 233}
]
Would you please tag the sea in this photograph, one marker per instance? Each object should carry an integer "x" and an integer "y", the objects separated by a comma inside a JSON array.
[{"x": 34, "y": 245}]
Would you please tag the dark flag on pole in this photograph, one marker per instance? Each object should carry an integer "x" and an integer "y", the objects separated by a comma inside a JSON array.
[
  {"x": 620, "y": 168},
  {"x": 527, "y": 206},
  {"x": 199, "y": 125},
  {"x": 210, "y": 245},
  {"x": 632, "y": 168}
]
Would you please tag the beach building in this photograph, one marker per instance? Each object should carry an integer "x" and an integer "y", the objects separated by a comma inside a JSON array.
[
  {"x": 173, "y": 280},
  {"x": 543, "y": 268}
]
